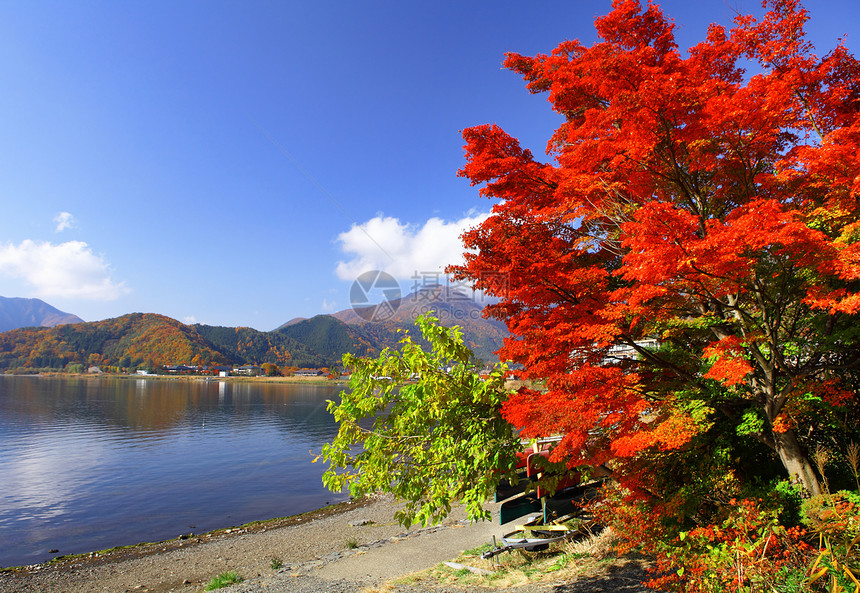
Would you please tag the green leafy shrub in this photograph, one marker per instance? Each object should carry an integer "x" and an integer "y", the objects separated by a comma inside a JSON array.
[
  {"x": 835, "y": 519},
  {"x": 424, "y": 426}
]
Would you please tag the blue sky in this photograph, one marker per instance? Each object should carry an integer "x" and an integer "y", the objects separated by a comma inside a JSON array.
[{"x": 240, "y": 163}]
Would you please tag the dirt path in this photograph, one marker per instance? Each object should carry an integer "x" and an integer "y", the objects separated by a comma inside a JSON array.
[
  {"x": 306, "y": 542},
  {"x": 349, "y": 548}
]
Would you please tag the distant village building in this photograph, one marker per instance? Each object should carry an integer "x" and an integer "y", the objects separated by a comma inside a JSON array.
[
  {"x": 220, "y": 370},
  {"x": 94, "y": 370},
  {"x": 308, "y": 373},
  {"x": 248, "y": 369}
]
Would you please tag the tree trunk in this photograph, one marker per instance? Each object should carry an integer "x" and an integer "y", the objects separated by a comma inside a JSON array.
[{"x": 796, "y": 462}]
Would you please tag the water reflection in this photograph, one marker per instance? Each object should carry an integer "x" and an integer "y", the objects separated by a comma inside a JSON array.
[{"x": 89, "y": 463}]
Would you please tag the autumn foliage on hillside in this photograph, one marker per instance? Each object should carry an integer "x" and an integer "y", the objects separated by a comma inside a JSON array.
[
  {"x": 136, "y": 339},
  {"x": 249, "y": 345},
  {"x": 151, "y": 341},
  {"x": 706, "y": 201}
]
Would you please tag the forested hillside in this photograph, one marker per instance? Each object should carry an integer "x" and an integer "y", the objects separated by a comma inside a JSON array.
[
  {"x": 330, "y": 338},
  {"x": 138, "y": 339},
  {"x": 151, "y": 341},
  {"x": 483, "y": 336},
  {"x": 248, "y": 345},
  {"x": 148, "y": 340}
]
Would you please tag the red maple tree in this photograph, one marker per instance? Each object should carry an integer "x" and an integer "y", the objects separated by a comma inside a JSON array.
[{"x": 699, "y": 216}]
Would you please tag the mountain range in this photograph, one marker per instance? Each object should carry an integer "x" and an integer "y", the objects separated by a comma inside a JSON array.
[
  {"x": 149, "y": 340},
  {"x": 18, "y": 312}
]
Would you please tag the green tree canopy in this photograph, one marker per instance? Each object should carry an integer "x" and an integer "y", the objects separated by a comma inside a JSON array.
[{"x": 422, "y": 426}]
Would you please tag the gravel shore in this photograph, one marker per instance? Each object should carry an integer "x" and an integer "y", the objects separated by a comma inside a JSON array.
[{"x": 349, "y": 548}]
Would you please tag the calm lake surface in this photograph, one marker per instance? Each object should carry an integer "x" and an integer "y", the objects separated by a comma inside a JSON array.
[{"x": 92, "y": 463}]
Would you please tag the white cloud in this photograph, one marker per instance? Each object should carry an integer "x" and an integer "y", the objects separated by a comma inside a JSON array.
[
  {"x": 328, "y": 306},
  {"x": 189, "y": 320},
  {"x": 64, "y": 221},
  {"x": 403, "y": 250},
  {"x": 66, "y": 270}
]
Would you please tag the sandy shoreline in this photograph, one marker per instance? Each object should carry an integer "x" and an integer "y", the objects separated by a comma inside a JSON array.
[
  {"x": 166, "y": 566},
  {"x": 185, "y": 565},
  {"x": 351, "y": 547}
]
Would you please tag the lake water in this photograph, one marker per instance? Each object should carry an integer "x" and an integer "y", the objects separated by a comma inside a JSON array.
[{"x": 92, "y": 463}]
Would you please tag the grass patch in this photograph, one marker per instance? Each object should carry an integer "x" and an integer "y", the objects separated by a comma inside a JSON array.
[
  {"x": 408, "y": 579},
  {"x": 562, "y": 561},
  {"x": 351, "y": 543},
  {"x": 478, "y": 551},
  {"x": 276, "y": 563},
  {"x": 225, "y": 579}
]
